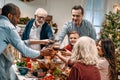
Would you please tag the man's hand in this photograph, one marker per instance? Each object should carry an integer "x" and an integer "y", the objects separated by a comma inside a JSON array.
[
  {"x": 46, "y": 41},
  {"x": 47, "y": 52}
]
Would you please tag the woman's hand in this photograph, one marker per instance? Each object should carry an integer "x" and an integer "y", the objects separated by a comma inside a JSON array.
[
  {"x": 60, "y": 56},
  {"x": 66, "y": 53}
]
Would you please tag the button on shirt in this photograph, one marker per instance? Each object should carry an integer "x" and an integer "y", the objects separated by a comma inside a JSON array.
[
  {"x": 9, "y": 35},
  {"x": 35, "y": 34}
]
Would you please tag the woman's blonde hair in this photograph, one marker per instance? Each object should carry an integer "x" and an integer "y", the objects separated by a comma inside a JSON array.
[{"x": 85, "y": 51}]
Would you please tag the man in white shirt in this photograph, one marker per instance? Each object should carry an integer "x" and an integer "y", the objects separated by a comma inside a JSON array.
[{"x": 38, "y": 29}]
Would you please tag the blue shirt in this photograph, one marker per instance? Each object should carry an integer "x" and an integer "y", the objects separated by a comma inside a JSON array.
[
  {"x": 85, "y": 29},
  {"x": 9, "y": 35}
]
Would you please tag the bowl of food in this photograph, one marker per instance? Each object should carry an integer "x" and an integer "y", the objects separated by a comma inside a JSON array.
[
  {"x": 23, "y": 70},
  {"x": 39, "y": 73}
]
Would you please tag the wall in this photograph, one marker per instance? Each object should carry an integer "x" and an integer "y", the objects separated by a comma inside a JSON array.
[
  {"x": 27, "y": 8},
  {"x": 110, "y": 4}
]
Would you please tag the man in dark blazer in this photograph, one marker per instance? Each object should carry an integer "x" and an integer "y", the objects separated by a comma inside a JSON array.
[{"x": 37, "y": 28}]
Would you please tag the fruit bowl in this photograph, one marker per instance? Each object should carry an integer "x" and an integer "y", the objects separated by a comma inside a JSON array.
[{"x": 23, "y": 70}]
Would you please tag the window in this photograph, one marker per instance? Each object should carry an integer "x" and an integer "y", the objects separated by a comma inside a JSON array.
[{"x": 95, "y": 13}]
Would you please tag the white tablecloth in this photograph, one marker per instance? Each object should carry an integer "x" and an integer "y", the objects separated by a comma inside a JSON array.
[{"x": 21, "y": 77}]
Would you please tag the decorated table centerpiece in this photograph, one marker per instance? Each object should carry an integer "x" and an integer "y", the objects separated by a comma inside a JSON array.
[{"x": 50, "y": 66}]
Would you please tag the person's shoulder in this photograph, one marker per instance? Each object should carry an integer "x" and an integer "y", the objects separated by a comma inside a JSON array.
[
  {"x": 31, "y": 20},
  {"x": 78, "y": 64},
  {"x": 87, "y": 24},
  {"x": 8, "y": 27},
  {"x": 46, "y": 25},
  {"x": 86, "y": 21},
  {"x": 103, "y": 63},
  {"x": 7, "y": 24},
  {"x": 4, "y": 21},
  {"x": 30, "y": 23},
  {"x": 103, "y": 60},
  {"x": 68, "y": 22}
]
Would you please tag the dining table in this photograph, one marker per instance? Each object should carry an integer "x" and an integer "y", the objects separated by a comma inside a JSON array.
[{"x": 30, "y": 76}]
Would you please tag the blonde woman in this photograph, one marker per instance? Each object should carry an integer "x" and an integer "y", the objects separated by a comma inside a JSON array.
[{"x": 84, "y": 59}]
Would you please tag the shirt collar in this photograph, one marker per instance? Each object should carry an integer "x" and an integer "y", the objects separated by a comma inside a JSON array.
[
  {"x": 3, "y": 17},
  {"x": 34, "y": 26}
]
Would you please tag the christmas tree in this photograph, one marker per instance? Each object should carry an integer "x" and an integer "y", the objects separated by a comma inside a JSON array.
[{"x": 111, "y": 28}]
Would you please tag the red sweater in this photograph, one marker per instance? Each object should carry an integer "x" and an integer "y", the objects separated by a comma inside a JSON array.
[
  {"x": 81, "y": 71},
  {"x": 69, "y": 47}
]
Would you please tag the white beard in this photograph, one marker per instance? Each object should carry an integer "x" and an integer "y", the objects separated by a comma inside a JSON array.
[{"x": 39, "y": 24}]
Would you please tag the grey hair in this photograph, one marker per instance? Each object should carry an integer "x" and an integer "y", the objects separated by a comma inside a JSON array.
[
  {"x": 85, "y": 51},
  {"x": 41, "y": 11}
]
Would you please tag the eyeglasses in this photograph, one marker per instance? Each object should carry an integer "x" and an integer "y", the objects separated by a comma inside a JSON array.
[{"x": 40, "y": 17}]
